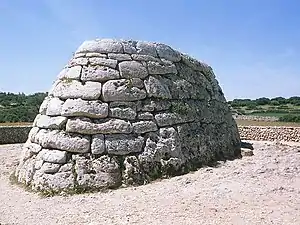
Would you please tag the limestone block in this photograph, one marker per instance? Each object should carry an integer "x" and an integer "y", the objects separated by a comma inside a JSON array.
[
  {"x": 79, "y": 107},
  {"x": 144, "y": 127},
  {"x": 146, "y": 48},
  {"x": 70, "y": 73},
  {"x": 169, "y": 119},
  {"x": 95, "y": 54},
  {"x": 146, "y": 58},
  {"x": 166, "y": 67},
  {"x": 64, "y": 141},
  {"x": 145, "y": 116},
  {"x": 98, "y": 173},
  {"x": 129, "y": 46},
  {"x": 99, "y": 73},
  {"x": 75, "y": 89},
  {"x": 121, "y": 90},
  {"x": 44, "y": 121},
  {"x": 101, "y": 46},
  {"x": 155, "y": 87},
  {"x": 119, "y": 57},
  {"x": 53, "y": 156},
  {"x": 112, "y": 126},
  {"x": 32, "y": 147},
  {"x": 50, "y": 167},
  {"x": 54, "y": 107},
  {"x": 112, "y": 63},
  {"x": 122, "y": 113},
  {"x": 166, "y": 52},
  {"x": 122, "y": 144},
  {"x": 78, "y": 62},
  {"x": 98, "y": 145},
  {"x": 132, "y": 69},
  {"x": 44, "y": 105}
]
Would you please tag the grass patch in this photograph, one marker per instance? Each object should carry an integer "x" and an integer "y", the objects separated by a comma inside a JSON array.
[{"x": 266, "y": 123}]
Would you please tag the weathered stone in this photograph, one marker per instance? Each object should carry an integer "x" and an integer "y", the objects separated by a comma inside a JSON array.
[
  {"x": 44, "y": 105},
  {"x": 53, "y": 156},
  {"x": 99, "y": 73},
  {"x": 166, "y": 52},
  {"x": 57, "y": 181},
  {"x": 132, "y": 174},
  {"x": 156, "y": 88},
  {"x": 75, "y": 89},
  {"x": 79, "y": 55},
  {"x": 151, "y": 105},
  {"x": 43, "y": 121},
  {"x": 70, "y": 73},
  {"x": 119, "y": 57},
  {"x": 101, "y": 46},
  {"x": 144, "y": 127},
  {"x": 146, "y": 48},
  {"x": 129, "y": 46},
  {"x": 32, "y": 147},
  {"x": 61, "y": 140},
  {"x": 32, "y": 133},
  {"x": 121, "y": 90},
  {"x": 54, "y": 107},
  {"x": 95, "y": 54},
  {"x": 66, "y": 167},
  {"x": 98, "y": 145},
  {"x": 168, "y": 119},
  {"x": 103, "y": 172},
  {"x": 145, "y": 116},
  {"x": 79, "y": 107},
  {"x": 78, "y": 62},
  {"x": 166, "y": 67},
  {"x": 122, "y": 113},
  {"x": 112, "y": 126},
  {"x": 50, "y": 167},
  {"x": 146, "y": 58},
  {"x": 131, "y": 69},
  {"x": 103, "y": 62},
  {"x": 121, "y": 144}
]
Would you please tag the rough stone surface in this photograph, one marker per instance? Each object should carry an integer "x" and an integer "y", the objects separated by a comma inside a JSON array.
[{"x": 125, "y": 112}]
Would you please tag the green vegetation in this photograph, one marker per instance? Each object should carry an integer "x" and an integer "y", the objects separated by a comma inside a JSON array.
[
  {"x": 286, "y": 110},
  {"x": 19, "y": 107}
]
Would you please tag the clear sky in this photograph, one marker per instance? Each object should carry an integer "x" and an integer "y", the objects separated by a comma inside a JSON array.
[{"x": 252, "y": 45}]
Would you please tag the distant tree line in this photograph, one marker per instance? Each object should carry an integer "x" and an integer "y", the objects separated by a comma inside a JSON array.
[
  {"x": 19, "y": 107},
  {"x": 265, "y": 101}
]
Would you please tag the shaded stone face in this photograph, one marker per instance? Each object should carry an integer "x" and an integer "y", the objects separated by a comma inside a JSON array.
[{"x": 127, "y": 112}]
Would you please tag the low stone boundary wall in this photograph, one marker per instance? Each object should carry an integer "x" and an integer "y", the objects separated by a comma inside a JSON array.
[
  {"x": 18, "y": 134},
  {"x": 14, "y": 134},
  {"x": 270, "y": 133}
]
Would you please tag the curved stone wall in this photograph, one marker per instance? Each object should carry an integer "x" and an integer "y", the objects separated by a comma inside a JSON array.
[{"x": 127, "y": 112}]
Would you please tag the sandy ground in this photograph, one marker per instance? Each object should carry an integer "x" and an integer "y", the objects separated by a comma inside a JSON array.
[{"x": 260, "y": 189}]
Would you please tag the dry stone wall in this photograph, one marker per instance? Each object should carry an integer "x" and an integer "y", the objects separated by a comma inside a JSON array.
[
  {"x": 127, "y": 112},
  {"x": 270, "y": 133},
  {"x": 14, "y": 134}
]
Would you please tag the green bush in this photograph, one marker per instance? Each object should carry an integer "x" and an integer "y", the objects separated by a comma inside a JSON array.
[{"x": 290, "y": 118}]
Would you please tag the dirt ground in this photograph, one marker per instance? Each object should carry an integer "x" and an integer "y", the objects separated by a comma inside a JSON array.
[{"x": 259, "y": 189}]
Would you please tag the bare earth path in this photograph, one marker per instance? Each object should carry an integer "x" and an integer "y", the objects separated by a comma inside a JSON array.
[{"x": 261, "y": 189}]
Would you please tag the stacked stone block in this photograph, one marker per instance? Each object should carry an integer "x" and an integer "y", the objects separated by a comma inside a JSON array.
[{"x": 127, "y": 112}]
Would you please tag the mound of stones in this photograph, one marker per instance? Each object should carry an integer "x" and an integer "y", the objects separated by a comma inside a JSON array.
[{"x": 126, "y": 113}]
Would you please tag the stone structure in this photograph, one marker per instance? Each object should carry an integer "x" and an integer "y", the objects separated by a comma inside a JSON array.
[
  {"x": 127, "y": 112},
  {"x": 270, "y": 133}
]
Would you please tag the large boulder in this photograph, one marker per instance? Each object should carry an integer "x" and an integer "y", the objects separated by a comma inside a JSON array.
[{"x": 125, "y": 113}]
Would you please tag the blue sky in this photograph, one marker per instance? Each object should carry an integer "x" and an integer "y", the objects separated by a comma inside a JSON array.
[{"x": 252, "y": 45}]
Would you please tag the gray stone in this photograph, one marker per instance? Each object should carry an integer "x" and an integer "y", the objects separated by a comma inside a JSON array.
[
  {"x": 75, "y": 89},
  {"x": 44, "y": 105},
  {"x": 79, "y": 55},
  {"x": 101, "y": 46},
  {"x": 146, "y": 58},
  {"x": 146, "y": 48},
  {"x": 156, "y": 88},
  {"x": 79, "y": 107},
  {"x": 50, "y": 167},
  {"x": 32, "y": 147},
  {"x": 32, "y": 133},
  {"x": 70, "y": 73},
  {"x": 25, "y": 171},
  {"x": 119, "y": 57},
  {"x": 78, "y": 62},
  {"x": 129, "y": 46},
  {"x": 145, "y": 116},
  {"x": 121, "y": 144},
  {"x": 122, "y": 113},
  {"x": 103, "y": 172},
  {"x": 64, "y": 141},
  {"x": 112, "y": 126},
  {"x": 54, "y": 107},
  {"x": 66, "y": 167},
  {"x": 132, "y": 173},
  {"x": 121, "y": 90},
  {"x": 103, "y": 62},
  {"x": 144, "y": 127},
  {"x": 169, "y": 119},
  {"x": 98, "y": 145},
  {"x": 131, "y": 69},
  {"x": 151, "y": 105},
  {"x": 43, "y": 121},
  {"x": 99, "y": 73},
  {"x": 166, "y": 52},
  {"x": 53, "y": 156},
  {"x": 57, "y": 181},
  {"x": 166, "y": 67}
]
